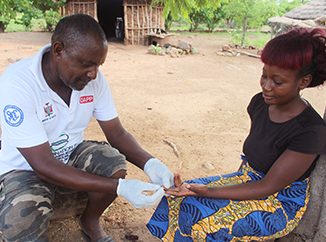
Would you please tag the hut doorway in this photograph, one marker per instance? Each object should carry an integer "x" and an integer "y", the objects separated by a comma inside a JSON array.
[
  {"x": 128, "y": 21},
  {"x": 110, "y": 17}
]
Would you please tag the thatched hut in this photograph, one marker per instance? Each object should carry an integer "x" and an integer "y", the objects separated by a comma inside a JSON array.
[
  {"x": 310, "y": 10},
  {"x": 310, "y": 15},
  {"x": 130, "y": 21}
]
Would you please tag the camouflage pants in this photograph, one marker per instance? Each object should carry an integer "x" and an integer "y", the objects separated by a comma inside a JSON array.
[{"x": 26, "y": 200}]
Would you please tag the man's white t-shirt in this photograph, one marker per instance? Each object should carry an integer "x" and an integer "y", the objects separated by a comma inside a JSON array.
[{"x": 32, "y": 113}]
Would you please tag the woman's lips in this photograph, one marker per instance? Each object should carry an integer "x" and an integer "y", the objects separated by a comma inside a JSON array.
[{"x": 267, "y": 97}]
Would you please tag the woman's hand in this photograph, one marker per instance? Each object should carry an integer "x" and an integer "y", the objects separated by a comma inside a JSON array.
[{"x": 185, "y": 189}]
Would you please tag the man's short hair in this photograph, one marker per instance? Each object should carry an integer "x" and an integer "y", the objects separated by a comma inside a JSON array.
[{"x": 73, "y": 29}]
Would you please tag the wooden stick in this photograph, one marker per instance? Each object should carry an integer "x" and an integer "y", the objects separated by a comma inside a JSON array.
[
  {"x": 175, "y": 151},
  {"x": 249, "y": 54}
]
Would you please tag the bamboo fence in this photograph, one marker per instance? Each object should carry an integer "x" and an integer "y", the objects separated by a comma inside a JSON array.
[
  {"x": 141, "y": 20},
  {"x": 88, "y": 7}
]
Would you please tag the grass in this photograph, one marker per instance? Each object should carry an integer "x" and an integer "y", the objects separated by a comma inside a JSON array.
[{"x": 253, "y": 37}]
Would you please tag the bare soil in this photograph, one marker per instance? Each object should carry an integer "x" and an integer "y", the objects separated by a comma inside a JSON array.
[{"x": 197, "y": 102}]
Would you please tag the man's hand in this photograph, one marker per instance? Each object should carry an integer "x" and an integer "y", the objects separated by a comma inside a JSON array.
[
  {"x": 158, "y": 173},
  {"x": 132, "y": 190}
]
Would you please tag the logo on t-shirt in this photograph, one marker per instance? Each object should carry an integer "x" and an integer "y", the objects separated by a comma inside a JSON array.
[
  {"x": 60, "y": 143},
  {"x": 48, "y": 109},
  {"x": 13, "y": 115},
  {"x": 86, "y": 99},
  {"x": 60, "y": 149}
]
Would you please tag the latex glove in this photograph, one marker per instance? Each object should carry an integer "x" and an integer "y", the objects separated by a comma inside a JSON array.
[
  {"x": 132, "y": 190},
  {"x": 158, "y": 173}
]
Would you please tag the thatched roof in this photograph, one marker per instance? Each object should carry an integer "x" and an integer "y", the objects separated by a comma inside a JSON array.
[
  {"x": 309, "y": 24},
  {"x": 311, "y": 10}
]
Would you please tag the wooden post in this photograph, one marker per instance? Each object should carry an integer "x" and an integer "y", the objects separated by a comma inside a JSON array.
[
  {"x": 138, "y": 24},
  {"x": 132, "y": 25},
  {"x": 95, "y": 10},
  {"x": 157, "y": 19},
  {"x": 147, "y": 20},
  {"x": 143, "y": 23},
  {"x": 151, "y": 18},
  {"x": 126, "y": 39},
  {"x": 163, "y": 20}
]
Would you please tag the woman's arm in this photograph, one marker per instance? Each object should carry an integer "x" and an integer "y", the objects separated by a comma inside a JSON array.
[{"x": 288, "y": 168}]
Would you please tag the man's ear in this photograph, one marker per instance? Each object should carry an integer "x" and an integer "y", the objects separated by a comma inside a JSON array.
[
  {"x": 57, "y": 48},
  {"x": 305, "y": 81}
]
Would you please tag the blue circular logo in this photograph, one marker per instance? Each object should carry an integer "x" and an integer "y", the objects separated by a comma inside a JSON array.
[{"x": 14, "y": 116}]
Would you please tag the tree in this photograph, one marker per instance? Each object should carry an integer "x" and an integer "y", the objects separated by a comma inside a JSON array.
[
  {"x": 47, "y": 9},
  {"x": 184, "y": 7},
  {"x": 250, "y": 13},
  {"x": 37, "y": 9},
  {"x": 196, "y": 16},
  {"x": 212, "y": 17},
  {"x": 5, "y": 13}
]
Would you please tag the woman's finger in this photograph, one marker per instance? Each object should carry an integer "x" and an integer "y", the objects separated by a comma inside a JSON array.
[{"x": 177, "y": 180}]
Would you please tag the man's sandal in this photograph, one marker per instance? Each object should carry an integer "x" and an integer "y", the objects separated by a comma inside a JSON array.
[{"x": 88, "y": 239}]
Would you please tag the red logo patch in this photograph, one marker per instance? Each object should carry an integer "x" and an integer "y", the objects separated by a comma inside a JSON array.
[{"x": 86, "y": 99}]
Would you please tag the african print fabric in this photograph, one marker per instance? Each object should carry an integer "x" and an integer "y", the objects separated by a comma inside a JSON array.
[{"x": 201, "y": 219}]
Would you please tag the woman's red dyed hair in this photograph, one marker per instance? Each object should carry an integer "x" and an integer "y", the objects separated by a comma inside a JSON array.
[{"x": 299, "y": 49}]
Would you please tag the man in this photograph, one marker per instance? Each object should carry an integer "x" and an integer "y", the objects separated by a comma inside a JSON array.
[{"x": 46, "y": 102}]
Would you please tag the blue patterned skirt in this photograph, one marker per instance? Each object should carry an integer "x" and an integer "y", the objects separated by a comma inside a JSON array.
[{"x": 207, "y": 219}]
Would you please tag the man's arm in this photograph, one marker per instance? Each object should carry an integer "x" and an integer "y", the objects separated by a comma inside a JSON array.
[
  {"x": 119, "y": 138},
  {"x": 54, "y": 171},
  {"x": 122, "y": 140}
]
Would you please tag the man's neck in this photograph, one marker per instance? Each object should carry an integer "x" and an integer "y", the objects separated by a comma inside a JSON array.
[{"x": 53, "y": 80}]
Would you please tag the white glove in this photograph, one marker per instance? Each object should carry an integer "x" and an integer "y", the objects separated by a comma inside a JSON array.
[
  {"x": 158, "y": 173},
  {"x": 132, "y": 191}
]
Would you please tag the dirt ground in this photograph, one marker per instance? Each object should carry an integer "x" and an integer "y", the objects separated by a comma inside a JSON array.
[{"x": 197, "y": 102}]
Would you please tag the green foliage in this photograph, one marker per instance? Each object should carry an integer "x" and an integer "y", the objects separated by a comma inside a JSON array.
[
  {"x": 257, "y": 38},
  {"x": 213, "y": 17},
  {"x": 168, "y": 21},
  {"x": 6, "y": 13},
  {"x": 27, "y": 13},
  {"x": 5, "y": 10},
  {"x": 183, "y": 7},
  {"x": 157, "y": 49},
  {"x": 285, "y": 6},
  {"x": 196, "y": 16},
  {"x": 51, "y": 18},
  {"x": 210, "y": 16},
  {"x": 27, "y": 10},
  {"x": 250, "y": 13}
]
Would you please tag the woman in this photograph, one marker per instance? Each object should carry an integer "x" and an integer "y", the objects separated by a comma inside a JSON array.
[{"x": 268, "y": 196}]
